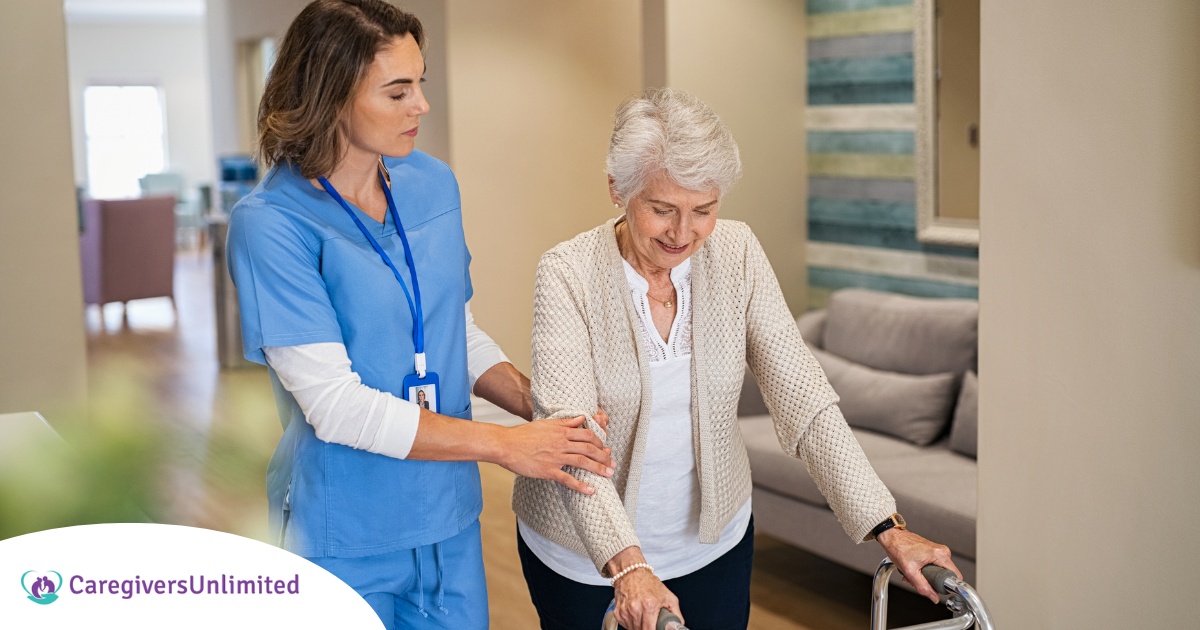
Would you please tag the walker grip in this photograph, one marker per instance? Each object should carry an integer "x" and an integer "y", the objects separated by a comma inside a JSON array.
[
  {"x": 937, "y": 577},
  {"x": 668, "y": 621}
]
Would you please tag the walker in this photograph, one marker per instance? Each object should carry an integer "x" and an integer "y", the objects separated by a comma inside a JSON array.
[
  {"x": 958, "y": 596},
  {"x": 962, "y": 600}
]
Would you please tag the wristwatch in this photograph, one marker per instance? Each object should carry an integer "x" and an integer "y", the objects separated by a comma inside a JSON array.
[{"x": 895, "y": 520}]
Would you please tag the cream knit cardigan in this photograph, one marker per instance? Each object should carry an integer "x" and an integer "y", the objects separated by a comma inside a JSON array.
[{"x": 587, "y": 354}]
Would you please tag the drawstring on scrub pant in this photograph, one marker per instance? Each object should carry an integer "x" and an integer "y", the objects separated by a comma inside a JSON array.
[{"x": 441, "y": 587}]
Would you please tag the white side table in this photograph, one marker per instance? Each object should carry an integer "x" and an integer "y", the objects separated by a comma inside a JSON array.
[{"x": 19, "y": 429}]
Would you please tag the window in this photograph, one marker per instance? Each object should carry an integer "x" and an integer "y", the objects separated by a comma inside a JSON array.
[{"x": 126, "y": 138}]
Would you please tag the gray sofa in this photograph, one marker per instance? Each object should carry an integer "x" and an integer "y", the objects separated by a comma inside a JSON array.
[{"x": 904, "y": 368}]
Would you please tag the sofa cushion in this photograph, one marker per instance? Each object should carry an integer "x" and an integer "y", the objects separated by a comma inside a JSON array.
[
  {"x": 910, "y": 407},
  {"x": 772, "y": 468},
  {"x": 751, "y": 402},
  {"x": 934, "y": 487},
  {"x": 964, "y": 429},
  {"x": 894, "y": 332}
]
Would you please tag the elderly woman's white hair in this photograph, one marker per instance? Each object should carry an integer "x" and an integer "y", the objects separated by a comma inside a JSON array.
[{"x": 664, "y": 129}]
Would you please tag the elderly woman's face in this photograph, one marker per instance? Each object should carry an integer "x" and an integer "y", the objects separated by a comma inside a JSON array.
[
  {"x": 386, "y": 109},
  {"x": 667, "y": 222}
]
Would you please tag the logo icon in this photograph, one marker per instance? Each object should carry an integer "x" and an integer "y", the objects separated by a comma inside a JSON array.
[{"x": 40, "y": 588}]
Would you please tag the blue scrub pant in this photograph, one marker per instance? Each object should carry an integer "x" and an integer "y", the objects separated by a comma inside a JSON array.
[{"x": 436, "y": 586}]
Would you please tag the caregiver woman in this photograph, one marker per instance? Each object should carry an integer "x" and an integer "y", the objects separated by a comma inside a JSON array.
[{"x": 354, "y": 288}]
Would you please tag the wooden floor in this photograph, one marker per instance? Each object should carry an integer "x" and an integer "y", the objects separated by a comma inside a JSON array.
[{"x": 224, "y": 427}]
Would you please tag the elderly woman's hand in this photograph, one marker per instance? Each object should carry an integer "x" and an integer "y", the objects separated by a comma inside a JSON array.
[
  {"x": 911, "y": 553},
  {"x": 639, "y": 593}
]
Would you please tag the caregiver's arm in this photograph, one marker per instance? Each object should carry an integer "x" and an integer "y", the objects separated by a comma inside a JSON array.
[{"x": 343, "y": 410}]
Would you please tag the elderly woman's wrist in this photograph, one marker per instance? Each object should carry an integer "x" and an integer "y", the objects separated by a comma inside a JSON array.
[
  {"x": 624, "y": 559},
  {"x": 637, "y": 566},
  {"x": 886, "y": 537}
]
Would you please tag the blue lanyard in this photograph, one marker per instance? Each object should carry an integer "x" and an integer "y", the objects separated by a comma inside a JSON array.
[{"x": 413, "y": 308}]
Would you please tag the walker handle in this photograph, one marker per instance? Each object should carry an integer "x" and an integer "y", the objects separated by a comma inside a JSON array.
[
  {"x": 668, "y": 621},
  {"x": 938, "y": 577}
]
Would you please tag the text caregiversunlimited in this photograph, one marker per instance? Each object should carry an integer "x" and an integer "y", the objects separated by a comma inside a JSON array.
[{"x": 191, "y": 585}]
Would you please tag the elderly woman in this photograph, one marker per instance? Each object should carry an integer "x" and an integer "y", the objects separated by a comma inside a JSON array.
[{"x": 653, "y": 316}]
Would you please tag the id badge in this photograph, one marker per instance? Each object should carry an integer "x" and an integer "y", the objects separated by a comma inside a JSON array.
[{"x": 422, "y": 392}]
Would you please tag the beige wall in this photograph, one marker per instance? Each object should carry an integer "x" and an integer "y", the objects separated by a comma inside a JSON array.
[
  {"x": 434, "y": 138},
  {"x": 42, "y": 360},
  {"x": 533, "y": 86},
  {"x": 1090, "y": 313},
  {"x": 747, "y": 61}
]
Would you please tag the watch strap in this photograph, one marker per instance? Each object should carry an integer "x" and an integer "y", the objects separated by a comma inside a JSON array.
[{"x": 895, "y": 520}]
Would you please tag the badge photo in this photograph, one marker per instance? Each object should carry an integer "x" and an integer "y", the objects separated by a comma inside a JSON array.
[{"x": 422, "y": 392}]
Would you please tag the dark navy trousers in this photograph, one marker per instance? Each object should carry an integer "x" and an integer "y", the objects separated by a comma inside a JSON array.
[{"x": 715, "y": 597}]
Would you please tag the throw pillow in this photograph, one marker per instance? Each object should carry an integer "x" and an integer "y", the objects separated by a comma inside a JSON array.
[
  {"x": 964, "y": 430},
  {"x": 915, "y": 408}
]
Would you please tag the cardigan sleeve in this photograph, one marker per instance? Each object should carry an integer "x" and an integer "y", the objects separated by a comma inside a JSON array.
[
  {"x": 563, "y": 381},
  {"x": 808, "y": 422}
]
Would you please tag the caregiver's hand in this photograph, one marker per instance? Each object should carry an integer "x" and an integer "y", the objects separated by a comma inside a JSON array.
[{"x": 541, "y": 449}]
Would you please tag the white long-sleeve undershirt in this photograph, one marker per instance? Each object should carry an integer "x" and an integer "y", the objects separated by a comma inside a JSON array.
[{"x": 344, "y": 411}]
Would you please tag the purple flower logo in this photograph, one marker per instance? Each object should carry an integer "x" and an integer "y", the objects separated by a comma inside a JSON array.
[{"x": 40, "y": 588}]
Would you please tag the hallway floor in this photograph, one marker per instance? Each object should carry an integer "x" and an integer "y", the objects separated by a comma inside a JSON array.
[{"x": 223, "y": 427}]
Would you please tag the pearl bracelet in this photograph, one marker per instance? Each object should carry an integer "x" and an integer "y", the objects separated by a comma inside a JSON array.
[{"x": 628, "y": 569}]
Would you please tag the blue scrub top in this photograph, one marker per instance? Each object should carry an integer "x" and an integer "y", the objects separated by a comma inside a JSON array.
[{"x": 306, "y": 274}]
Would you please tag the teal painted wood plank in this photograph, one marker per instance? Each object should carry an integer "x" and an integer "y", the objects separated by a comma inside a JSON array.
[
  {"x": 862, "y": 213},
  {"x": 828, "y": 279},
  {"x": 884, "y": 237},
  {"x": 892, "y": 69},
  {"x": 886, "y": 93},
  {"x": 814, "y": 7},
  {"x": 895, "y": 142}
]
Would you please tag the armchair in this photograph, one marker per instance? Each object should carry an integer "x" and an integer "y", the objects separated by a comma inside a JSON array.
[{"x": 127, "y": 249}]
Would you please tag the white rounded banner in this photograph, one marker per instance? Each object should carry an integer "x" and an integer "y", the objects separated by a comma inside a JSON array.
[{"x": 158, "y": 576}]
